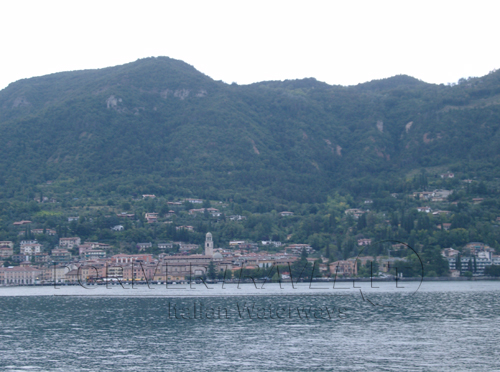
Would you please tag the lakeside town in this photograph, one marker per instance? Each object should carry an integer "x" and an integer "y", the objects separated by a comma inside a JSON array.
[
  {"x": 241, "y": 258},
  {"x": 149, "y": 238}
]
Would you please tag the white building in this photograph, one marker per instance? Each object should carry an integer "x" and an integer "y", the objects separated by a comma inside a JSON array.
[
  {"x": 209, "y": 245},
  {"x": 30, "y": 249},
  {"x": 69, "y": 242},
  {"x": 424, "y": 209},
  {"x": 270, "y": 242}
]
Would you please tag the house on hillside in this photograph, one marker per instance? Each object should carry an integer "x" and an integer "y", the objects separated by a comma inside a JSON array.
[
  {"x": 449, "y": 252},
  {"x": 20, "y": 257},
  {"x": 24, "y": 242},
  {"x": 237, "y": 217},
  {"x": 444, "y": 226},
  {"x": 126, "y": 215},
  {"x": 169, "y": 245},
  {"x": 188, "y": 228},
  {"x": 30, "y": 249},
  {"x": 441, "y": 195},
  {"x": 447, "y": 175},
  {"x": 69, "y": 243},
  {"x": 213, "y": 211},
  {"x": 144, "y": 246},
  {"x": 423, "y": 195},
  {"x": 23, "y": 222},
  {"x": 60, "y": 255},
  {"x": 235, "y": 243},
  {"x": 185, "y": 247},
  {"x": 476, "y": 247},
  {"x": 94, "y": 254},
  {"x": 364, "y": 242},
  {"x": 424, "y": 209},
  {"x": 298, "y": 248},
  {"x": 151, "y": 217},
  {"x": 440, "y": 212},
  {"x": 356, "y": 213},
  {"x": 6, "y": 251},
  {"x": 270, "y": 242},
  {"x": 42, "y": 257}
]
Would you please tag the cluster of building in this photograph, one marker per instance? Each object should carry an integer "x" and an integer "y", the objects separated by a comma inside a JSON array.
[
  {"x": 214, "y": 212},
  {"x": 475, "y": 258},
  {"x": 434, "y": 196},
  {"x": 93, "y": 264}
]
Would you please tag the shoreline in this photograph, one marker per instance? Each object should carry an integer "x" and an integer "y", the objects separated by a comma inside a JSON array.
[{"x": 327, "y": 280}]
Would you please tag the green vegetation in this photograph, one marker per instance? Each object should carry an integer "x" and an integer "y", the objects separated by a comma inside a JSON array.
[
  {"x": 91, "y": 143},
  {"x": 493, "y": 270},
  {"x": 159, "y": 126}
]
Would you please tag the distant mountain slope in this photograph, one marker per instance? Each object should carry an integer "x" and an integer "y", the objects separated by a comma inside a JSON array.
[{"x": 158, "y": 125}]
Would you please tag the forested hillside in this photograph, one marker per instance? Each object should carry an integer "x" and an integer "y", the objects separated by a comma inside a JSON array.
[{"x": 159, "y": 126}]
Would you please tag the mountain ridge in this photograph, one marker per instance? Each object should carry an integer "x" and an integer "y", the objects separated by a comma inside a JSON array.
[{"x": 161, "y": 121}]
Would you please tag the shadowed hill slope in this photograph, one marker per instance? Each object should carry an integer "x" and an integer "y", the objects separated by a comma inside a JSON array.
[{"x": 157, "y": 125}]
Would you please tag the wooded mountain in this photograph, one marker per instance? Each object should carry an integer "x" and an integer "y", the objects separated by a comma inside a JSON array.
[{"x": 159, "y": 126}]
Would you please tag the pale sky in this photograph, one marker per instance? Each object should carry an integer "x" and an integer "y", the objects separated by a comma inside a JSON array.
[{"x": 338, "y": 42}]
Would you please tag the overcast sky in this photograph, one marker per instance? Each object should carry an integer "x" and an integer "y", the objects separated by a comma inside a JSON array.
[{"x": 338, "y": 42}]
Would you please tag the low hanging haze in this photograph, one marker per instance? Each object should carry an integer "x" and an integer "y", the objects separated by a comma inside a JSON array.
[{"x": 338, "y": 42}]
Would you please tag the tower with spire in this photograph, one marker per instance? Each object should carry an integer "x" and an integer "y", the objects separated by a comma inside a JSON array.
[{"x": 209, "y": 245}]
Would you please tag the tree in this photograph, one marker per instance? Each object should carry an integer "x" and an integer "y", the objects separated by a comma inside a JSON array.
[
  {"x": 275, "y": 278},
  {"x": 423, "y": 221},
  {"x": 301, "y": 269},
  {"x": 458, "y": 263},
  {"x": 362, "y": 222},
  {"x": 303, "y": 255},
  {"x": 492, "y": 270},
  {"x": 317, "y": 272},
  {"x": 211, "y": 274},
  {"x": 228, "y": 274},
  {"x": 394, "y": 219},
  {"x": 369, "y": 269}
]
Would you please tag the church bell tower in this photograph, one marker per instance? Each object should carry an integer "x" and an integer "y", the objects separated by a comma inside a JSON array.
[{"x": 209, "y": 245}]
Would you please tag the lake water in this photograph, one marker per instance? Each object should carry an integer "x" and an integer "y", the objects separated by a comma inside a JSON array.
[{"x": 442, "y": 326}]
